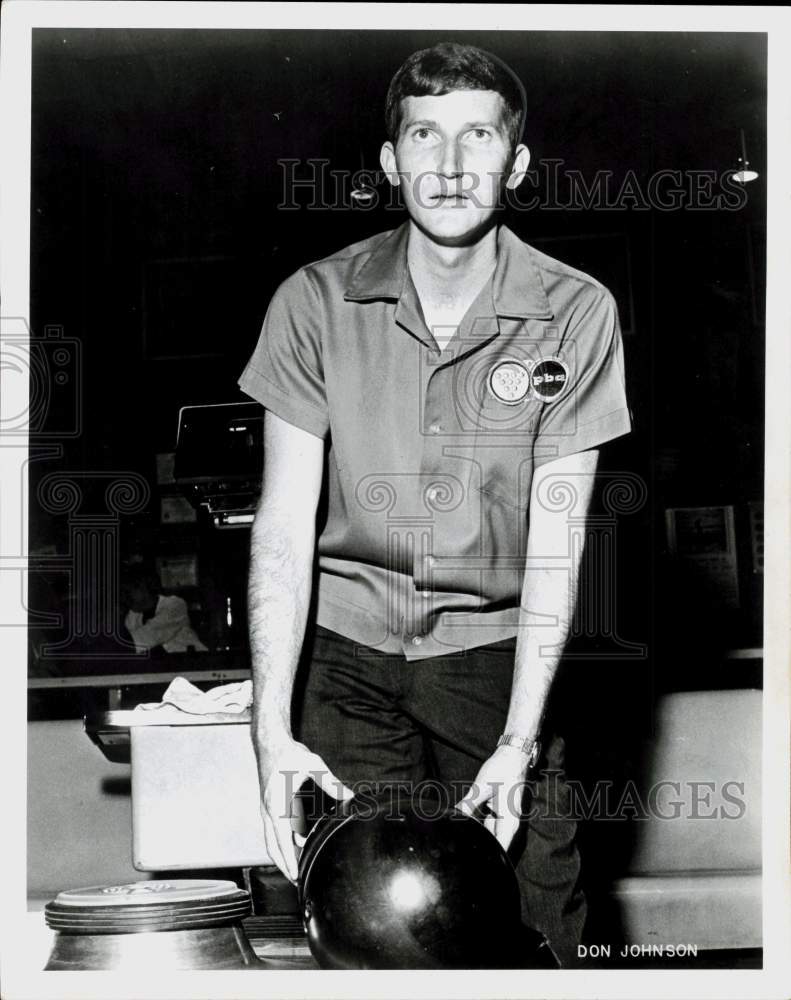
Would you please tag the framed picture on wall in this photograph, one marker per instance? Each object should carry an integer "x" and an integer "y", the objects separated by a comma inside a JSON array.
[
  {"x": 178, "y": 570},
  {"x": 704, "y": 539}
]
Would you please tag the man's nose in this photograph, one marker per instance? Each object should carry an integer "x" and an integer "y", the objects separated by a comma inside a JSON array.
[{"x": 451, "y": 162}]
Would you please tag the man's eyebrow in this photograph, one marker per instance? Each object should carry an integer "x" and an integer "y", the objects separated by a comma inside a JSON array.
[
  {"x": 486, "y": 123},
  {"x": 430, "y": 123}
]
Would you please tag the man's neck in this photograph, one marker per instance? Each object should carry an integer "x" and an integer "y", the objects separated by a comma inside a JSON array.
[
  {"x": 448, "y": 273},
  {"x": 448, "y": 279}
]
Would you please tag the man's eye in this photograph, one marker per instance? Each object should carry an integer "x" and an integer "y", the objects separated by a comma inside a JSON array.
[
  {"x": 480, "y": 133},
  {"x": 422, "y": 133}
]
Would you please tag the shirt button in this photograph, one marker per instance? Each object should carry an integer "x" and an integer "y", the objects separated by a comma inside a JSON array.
[
  {"x": 417, "y": 640},
  {"x": 435, "y": 428}
]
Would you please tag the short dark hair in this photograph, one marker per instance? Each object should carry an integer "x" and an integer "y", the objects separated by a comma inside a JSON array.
[
  {"x": 142, "y": 575},
  {"x": 451, "y": 66}
]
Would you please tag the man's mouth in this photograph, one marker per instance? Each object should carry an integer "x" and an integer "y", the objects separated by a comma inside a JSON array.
[{"x": 448, "y": 198}]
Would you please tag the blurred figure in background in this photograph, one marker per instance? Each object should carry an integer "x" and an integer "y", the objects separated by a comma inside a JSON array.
[{"x": 155, "y": 619}]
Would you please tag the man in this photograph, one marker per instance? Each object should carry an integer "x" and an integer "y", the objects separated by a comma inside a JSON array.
[
  {"x": 455, "y": 375},
  {"x": 155, "y": 619}
]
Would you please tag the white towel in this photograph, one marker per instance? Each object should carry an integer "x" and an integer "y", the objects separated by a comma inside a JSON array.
[{"x": 181, "y": 694}]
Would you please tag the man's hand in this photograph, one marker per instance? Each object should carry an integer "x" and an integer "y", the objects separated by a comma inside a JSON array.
[
  {"x": 498, "y": 790},
  {"x": 282, "y": 770}
]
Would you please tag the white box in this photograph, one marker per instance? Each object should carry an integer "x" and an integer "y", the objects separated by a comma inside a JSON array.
[{"x": 195, "y": 794}]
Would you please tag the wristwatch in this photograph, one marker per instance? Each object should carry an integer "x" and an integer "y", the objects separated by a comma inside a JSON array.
[{"x": 531, "y": 748}]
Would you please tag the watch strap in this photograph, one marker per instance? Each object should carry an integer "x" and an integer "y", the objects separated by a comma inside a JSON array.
[{"x": 531, "y": 748}]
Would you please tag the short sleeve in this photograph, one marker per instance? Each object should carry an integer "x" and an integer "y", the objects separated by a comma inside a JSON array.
[
  {"x": 591, "y": 407},
  {"x": 285, "y": 373}
]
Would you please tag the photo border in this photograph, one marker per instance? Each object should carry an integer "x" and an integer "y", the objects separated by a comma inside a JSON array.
[{"x": 774, "y": 980}]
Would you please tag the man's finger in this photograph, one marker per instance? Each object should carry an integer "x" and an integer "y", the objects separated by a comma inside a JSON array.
[
  {"x": 280, "y": 818},
  {"x": 282, "y": 831},
  {"x": 466, "y": 806},
  {"x": 505, "y": 830},
  {"x": 472, "y": 801},
  {"x": 331, "y": 785},
  {"x": 277, "y": 812},
  {"x": 272, "y": 845}
]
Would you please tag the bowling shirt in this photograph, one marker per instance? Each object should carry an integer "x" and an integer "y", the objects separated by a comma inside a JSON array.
[{"x": 431, "y": 453}]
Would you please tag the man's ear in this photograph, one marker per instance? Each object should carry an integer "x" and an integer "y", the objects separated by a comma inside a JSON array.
[
  {"x": 518, "y": 167},
  {"x": 387, "y": 159}
]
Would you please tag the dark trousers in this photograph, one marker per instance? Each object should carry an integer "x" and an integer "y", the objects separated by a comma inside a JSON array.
[{"x": 381, "y": 720}]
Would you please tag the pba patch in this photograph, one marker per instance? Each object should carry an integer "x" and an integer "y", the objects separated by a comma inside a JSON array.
[
  {"x": 549, "y": 379},
  {"x": 509, "y": 381}
]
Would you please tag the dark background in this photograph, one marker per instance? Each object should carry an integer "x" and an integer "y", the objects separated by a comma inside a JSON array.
[{"x": 156, "y": 243}]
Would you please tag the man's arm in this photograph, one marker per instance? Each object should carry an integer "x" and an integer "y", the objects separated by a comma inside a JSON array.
[
  {"x": 282, "y": 550},
  {"x": 548, "y": 594},
  {"x": 547, "y": 608}
]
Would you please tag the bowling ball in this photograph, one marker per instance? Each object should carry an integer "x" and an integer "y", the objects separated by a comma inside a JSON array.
[{"x": 400, "y": 883}]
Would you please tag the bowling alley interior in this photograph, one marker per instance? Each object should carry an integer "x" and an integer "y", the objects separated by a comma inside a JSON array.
[{"x": 177, "y": 178}]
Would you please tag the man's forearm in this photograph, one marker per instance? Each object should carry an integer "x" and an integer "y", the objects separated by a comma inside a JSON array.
[
  {"x": 281, "y": 571},
  {"x": 545, "y": 617},
  {"x": 549, "y": 590}
]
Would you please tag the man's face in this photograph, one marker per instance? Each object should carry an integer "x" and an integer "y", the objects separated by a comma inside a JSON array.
[{"x": 452, "y": 162}]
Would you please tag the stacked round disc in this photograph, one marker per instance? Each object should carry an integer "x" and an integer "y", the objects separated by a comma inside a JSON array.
[
  {"x": 174, "y": 924},
  {"x": 173, "y": 905}
]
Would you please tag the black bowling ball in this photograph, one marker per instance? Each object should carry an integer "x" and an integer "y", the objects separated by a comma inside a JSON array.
[{"x": 397, "y": 884}]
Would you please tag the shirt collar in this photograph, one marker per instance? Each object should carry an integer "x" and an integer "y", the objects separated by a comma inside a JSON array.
[
  {"x": 517, "y": 286},
  {"x": 383, "y": 275}
]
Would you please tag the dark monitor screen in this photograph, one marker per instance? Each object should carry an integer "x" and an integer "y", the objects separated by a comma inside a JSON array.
[{"x": 219, "y": 442}]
